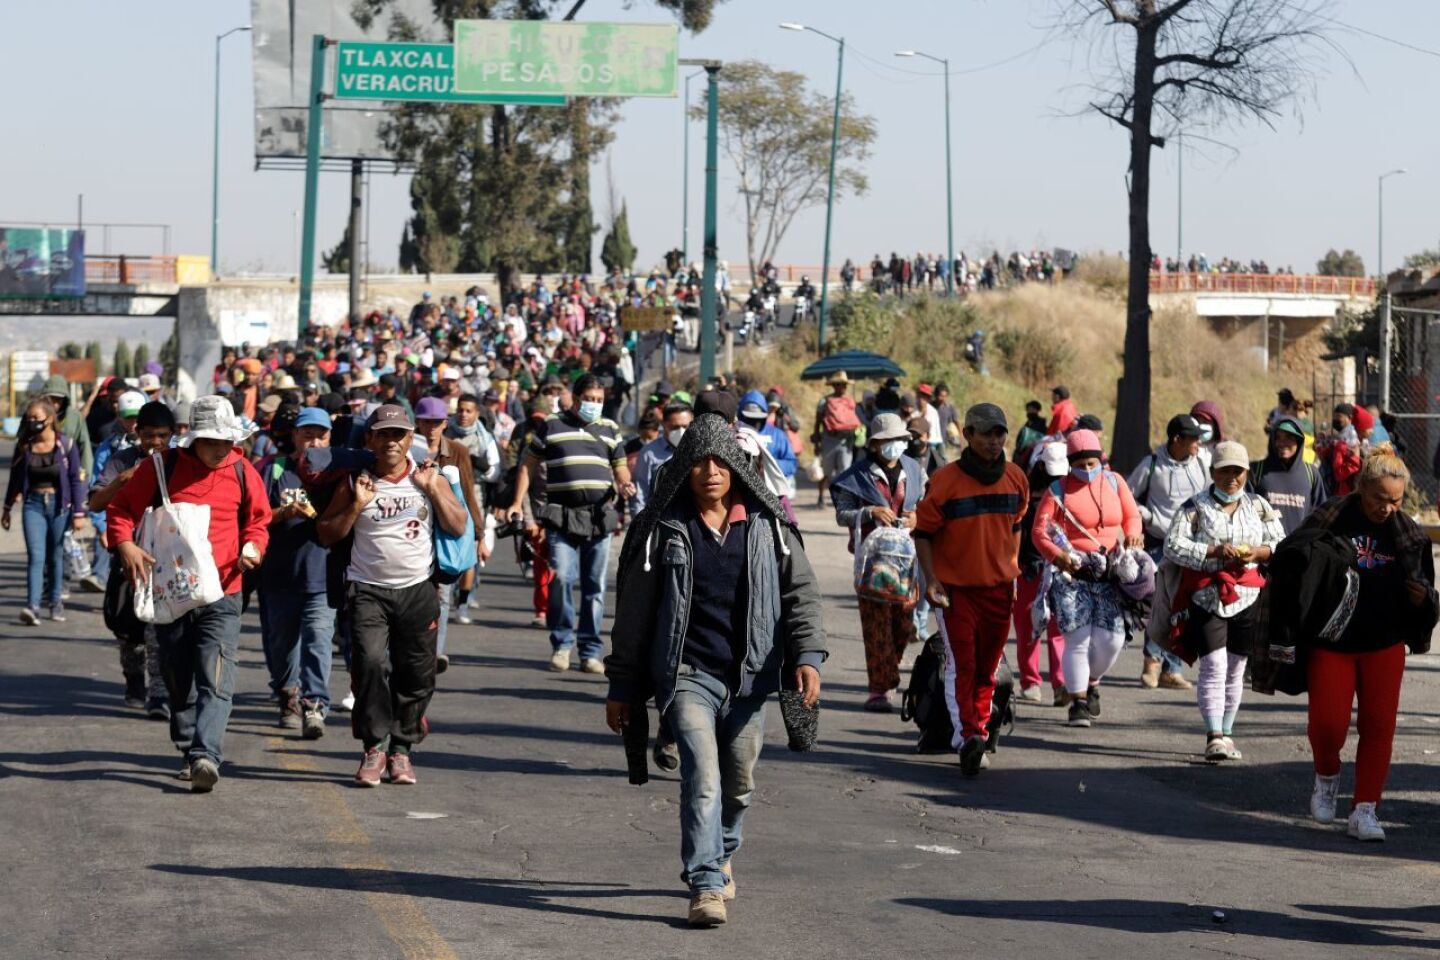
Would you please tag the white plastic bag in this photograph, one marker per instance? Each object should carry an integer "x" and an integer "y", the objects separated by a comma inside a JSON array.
[
  {"x": 885, "y": 564},
  {"x": 816, "y": 470},
  {"x": 185, "y": 576}
]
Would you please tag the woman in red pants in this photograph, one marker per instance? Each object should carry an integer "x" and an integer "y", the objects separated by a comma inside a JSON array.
[{"x": 1397, "y": 606}]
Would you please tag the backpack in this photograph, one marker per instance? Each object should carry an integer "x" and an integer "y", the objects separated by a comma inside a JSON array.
[
  {"x": 839, "y": 415},
  {"x": 926, "y": 704},
  {"x": 924, "y": 701}
]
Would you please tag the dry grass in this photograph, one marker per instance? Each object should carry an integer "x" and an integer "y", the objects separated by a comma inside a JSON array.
[{"x": 1071, "y": 333}]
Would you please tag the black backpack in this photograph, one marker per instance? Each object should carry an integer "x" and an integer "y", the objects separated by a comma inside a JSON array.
[{"x": 924, "y": 701}]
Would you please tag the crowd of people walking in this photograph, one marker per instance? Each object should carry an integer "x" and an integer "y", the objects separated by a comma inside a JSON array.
[{"x": 354, "y": 485}]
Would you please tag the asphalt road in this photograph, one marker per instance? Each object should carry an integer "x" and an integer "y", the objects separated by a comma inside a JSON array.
[{"x": 523, "y": 839}]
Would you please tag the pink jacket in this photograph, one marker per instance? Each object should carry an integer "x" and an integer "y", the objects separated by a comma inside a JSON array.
[{"x": 1104, "y": 508}]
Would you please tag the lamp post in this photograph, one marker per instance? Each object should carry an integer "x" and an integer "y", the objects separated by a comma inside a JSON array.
[
  {"x": 830, "y": 193},
  {"x": 1380, "y": 221},
  {"x": 949, "y": 194},
  {"x": 215, "y": 158},
  {"x": 685, "y": 178}
]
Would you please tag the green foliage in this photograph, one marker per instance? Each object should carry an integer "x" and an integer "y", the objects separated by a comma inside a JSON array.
[
  {"x": 70, "y": 351},
  {"x": 140, "y": 359},
  {"x": 122, "y": 365},
  {"x": 1423, "y": 259},
  {"x": 617, "y": 252},
  {"x": 777, "y": 131},
  {"x": 170, "y": 354},
  {"x": 94, "y": 352},
  {"x": 1347, "y": 264},
  {"x": 338, "y": 259},
  {"x": 1354, "y": 330}
]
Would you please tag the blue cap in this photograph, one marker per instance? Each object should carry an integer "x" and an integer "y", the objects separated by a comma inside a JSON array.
[{"x": 313, "y": 417}]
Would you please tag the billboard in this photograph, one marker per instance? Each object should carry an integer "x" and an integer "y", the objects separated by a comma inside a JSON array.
[
  {"x": 282, "y": 39},
  {"x": 41, "y": 264}
]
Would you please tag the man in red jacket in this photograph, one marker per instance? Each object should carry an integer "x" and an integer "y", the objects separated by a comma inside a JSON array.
[{"x": 198, "y": 651}]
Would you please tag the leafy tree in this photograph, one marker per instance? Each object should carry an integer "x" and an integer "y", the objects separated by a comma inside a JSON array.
[
  {"x": 617, "y": 252},
  {"x": 338, "y": 259},
  {"x": 122, "y": 365},
  {"x": 1191, "y": 65},
  {"x": 71, "y": 351},
  {"x": 776, "y": 131},
  {"x": 1347, "y": 264},
  {"x": 93, "y": 351},
  {"x": 1423, "y": 259},
  {"x": 170, "y": 354},
  {"x": 141, "y": 358}
]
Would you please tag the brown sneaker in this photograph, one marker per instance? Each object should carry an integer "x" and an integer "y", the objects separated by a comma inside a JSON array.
[
  {"x": 707, "y": 909},
  {"x": 401, "y": 772},
  {"x": 1150, "y": 676},
  {"x": 291, "y": 716},
  {"x": 1062, "y": 697},
  {"x": 729, "y": 891},
  {"x": 371, "y": 768},
  {"x": 1174, "y": 681}
]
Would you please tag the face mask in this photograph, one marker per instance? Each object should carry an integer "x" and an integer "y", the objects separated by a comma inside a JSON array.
[
  {"x": 892, "y": 449},
  {"x": 1207, "y": 433},
  {"x": 675, "y": 436},
  {"x": 590, "y": 411},
  {"x": 1224, "y": 497},
  {"x": 1080, "y": 473},
  {"x": 917, "y": 448},
  {"x": 1337, "y": 425},
  {"x": 36, "y": 425},
  {"x": 554, "y": 404}
]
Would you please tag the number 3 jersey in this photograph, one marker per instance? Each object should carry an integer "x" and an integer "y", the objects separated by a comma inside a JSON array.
[{"x": 393, "y": 546}]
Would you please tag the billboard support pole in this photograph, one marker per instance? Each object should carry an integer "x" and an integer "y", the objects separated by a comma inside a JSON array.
[
  {"x": 312, "y": 178},
  {"x": 708, "y": 293},
  {"x": 357, "y": 174}
]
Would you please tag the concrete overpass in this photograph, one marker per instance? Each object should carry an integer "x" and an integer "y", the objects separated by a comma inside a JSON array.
[{"x": 1263, "y": 312}]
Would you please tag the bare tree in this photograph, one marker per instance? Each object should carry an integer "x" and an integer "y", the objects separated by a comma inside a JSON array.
[{"x": 1191, "y": 65}]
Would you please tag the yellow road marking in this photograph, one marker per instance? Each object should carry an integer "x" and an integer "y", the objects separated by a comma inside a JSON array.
[{"x": 405, "y": 921}]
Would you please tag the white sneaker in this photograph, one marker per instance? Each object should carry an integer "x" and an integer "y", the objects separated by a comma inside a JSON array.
[
  {"x": 348, "y": 704},
  {"x": 1364, "y": 824},
  {"x": 461, "y": 616},
  {"x": 560, "y": 661},
  {"x": 1322, "y": 801},
  {"x": 592, "y": 665}
]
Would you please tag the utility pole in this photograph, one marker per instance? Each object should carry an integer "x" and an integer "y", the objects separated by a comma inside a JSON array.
[
  {"x": 312, "y": 177},
  {"x": 709, "y": 296}
]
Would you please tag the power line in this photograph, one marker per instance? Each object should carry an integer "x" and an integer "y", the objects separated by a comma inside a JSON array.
[{"x": 1362, "y": 30}]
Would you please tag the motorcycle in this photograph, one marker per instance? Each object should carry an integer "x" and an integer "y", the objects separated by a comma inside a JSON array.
[{"x": 802, "y": 311}]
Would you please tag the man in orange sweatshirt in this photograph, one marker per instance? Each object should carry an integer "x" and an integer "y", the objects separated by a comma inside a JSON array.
[
  {"x": 198, "y": 651},
  {"x": 968, "y": 542}
]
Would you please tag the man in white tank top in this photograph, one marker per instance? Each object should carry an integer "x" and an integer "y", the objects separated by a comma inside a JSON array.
[{"x": 391, "y": 510}]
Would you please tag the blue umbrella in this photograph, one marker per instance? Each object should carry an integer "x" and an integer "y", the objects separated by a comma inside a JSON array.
[{"x": 858, "y": 364}]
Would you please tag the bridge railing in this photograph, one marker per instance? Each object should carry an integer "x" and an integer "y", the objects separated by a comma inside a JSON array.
[
  {"x": 1262, "y": 283},
  {"x": 127, "y": 269}
]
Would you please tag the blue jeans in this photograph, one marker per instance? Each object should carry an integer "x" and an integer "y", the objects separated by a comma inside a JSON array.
[
  {"x": 44, "y": 524},
  {"x": 197, "y": 657},
  {"x": 446, "y": 592},
  {"x": 719, "y": 739},
  {"x": 585, "y": 561},
  {"x": 1169, "y": 663},
  {"x": 298, "y": 630}
]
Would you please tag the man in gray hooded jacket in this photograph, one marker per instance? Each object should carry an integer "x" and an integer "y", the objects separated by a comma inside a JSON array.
[
  {"x": 1162, "y": 483},
  {"x": 717, "y": 608}
]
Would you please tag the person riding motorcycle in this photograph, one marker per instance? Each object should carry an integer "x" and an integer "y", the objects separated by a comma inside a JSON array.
[{"x": 806, "y": 289}]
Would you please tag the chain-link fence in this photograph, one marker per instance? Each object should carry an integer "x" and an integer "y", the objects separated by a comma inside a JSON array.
[{"x": 1410, "y": 387}]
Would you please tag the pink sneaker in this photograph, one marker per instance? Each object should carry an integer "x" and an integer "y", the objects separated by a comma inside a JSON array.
[
  {"x": 400, "y": 769},
  {"x": 371, "y": 768}
]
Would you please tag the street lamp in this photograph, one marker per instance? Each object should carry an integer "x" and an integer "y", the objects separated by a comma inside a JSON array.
[
  {"x": 1380, "y": 222},
  {"x": 685, "y": 178},
  {"x": 215, "y": 158},
  {"x": 830, "y": 194},
  {"x": 949, "y": 196}
]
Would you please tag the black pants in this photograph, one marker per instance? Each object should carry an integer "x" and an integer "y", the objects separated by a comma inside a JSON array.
[{"x": 392, "y": 660}]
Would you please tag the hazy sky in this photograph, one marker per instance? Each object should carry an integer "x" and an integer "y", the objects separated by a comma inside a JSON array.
[{"x": 114, "y": 100}]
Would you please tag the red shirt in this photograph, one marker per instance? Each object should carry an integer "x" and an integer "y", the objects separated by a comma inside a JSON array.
[{"x": 193, "y": 482}]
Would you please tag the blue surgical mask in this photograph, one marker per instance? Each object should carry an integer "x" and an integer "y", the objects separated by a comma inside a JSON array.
[
  {"x": 892, "y": 449},
  {"x": 1207, "y": 433},
  {"x": 1080, "y": 473},
  {"x": 590, "y": 411},
  {"x": 1224, "y": 497}
]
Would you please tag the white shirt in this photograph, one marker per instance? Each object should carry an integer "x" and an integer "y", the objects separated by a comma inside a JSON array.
[{"x": 394, "y": 545}]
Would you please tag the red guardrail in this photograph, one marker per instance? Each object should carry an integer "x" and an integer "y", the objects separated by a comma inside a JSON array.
[
  {"x": 127, "y": 269},
  {"x": 1262, "y": 283}
]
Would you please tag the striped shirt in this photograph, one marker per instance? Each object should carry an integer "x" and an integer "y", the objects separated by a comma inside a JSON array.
[
  {"x": 1203, "y": 522},
  {"x": 579, "y": 458}
]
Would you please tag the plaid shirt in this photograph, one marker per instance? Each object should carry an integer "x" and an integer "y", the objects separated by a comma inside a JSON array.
[{"x": 1202, "y": 523}]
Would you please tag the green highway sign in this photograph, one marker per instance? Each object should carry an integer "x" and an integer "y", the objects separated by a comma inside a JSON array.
[
  {"x": 530, "y": 57},
  {"x": 422, "y": 72}
]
